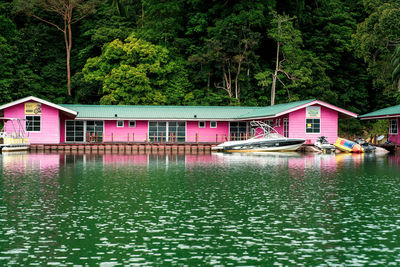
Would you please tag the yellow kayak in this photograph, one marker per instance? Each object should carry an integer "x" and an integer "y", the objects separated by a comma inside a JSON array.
[{"x": 348, "y": 146}]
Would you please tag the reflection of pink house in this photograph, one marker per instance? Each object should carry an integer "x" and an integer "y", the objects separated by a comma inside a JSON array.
[{"x": 50, "y": 123}]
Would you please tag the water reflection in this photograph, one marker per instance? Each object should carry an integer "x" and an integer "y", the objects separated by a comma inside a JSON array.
[
  {"x": 199, "y": 209},
  {"x": 48, "y": 164}
]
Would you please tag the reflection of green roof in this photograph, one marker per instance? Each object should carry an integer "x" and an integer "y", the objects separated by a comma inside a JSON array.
[
  {"x": 383, "y": 112},
  {"x": 179, "y": 112}
]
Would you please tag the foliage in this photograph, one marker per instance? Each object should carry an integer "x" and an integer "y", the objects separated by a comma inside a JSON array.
[
  {"x": 375, "y": 40},
  {"x": 135, "y": 71},
  {"x": 379, "y": 127}
]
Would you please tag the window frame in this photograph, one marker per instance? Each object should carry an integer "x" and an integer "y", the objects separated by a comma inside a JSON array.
[
  {"x": 40, "y": 123},
  {"x": 319, "y": 132},
  {"x": 396, "y": 122},
  {"x": 129, "y": 124},
  {"x": 285, "y": 126},
  {"x": 123, "y": 124},
  {"x": 204, "y": 126},
  {"x": 211, "y": 124}
]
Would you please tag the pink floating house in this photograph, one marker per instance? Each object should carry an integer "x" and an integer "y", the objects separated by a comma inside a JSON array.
[
  {"x": 49, "y": 123},
  {"x": 392, "y": 114}
]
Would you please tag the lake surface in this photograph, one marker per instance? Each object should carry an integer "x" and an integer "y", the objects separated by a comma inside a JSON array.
[{"x": 204, "y": 209}]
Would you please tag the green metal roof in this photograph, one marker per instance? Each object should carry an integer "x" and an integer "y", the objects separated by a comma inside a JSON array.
[
  {"x": 179, "y": 112},
  {"x": 383, "y": 112},
  {"x": 276, "y": 109}
]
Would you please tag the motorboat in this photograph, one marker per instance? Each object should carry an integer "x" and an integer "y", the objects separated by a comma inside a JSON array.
[
  {"x": 348, "y": 146},
  {"x": 266, "y": 139},
  {"x": 323, "y": 144},
  {"x": 368, "y": 148}
]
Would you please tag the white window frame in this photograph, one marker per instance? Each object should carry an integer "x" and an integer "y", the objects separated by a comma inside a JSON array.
[
  {"x": 84, "y": 132},
  {"x": 204, "y": 124},
  {"x": 393, "y": 122},
  {"x": 134, "y": 124},
  {"x": 320, "y": 125},
  {"x": 216, "y": 124},
  {"x": 277, "y": 122},
  {"x": 167, "y": 130},
  {"x": 40, "y": 123},
  {"x": 123, "y": 124},
  {"x": 285, "y": 127}
]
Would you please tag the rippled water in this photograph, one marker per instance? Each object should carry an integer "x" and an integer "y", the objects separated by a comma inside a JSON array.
[{"x": 219, "y": 209}]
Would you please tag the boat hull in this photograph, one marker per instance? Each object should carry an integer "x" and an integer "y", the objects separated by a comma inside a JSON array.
[{"x": 261, "y": 145}]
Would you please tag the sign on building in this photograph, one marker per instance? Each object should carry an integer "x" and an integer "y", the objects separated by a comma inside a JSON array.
[
  {"x": 33, "y": 109},
  {"x": 313, "y": 112}
]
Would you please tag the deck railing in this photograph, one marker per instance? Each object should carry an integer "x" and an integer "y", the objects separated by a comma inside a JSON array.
[{"x": 170, "y": 138}]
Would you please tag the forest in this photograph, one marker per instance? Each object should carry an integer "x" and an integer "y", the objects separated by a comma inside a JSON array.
[{"x": 196, "y": 52}]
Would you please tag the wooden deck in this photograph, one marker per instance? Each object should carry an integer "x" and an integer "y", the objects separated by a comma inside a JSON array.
[{"x": 125, "y": 147}]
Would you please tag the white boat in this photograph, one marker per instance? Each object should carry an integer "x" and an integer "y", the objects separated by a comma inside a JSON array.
[{"x": 267, "y": 139}]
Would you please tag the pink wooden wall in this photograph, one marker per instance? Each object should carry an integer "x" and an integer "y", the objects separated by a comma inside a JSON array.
[
  {"x": 329, "y": 125},
  {"x": 206, "y": 134},
  {"x": 50, "y": 124},
  {"x": 395, "y": 138},
  {"x": 120, "y": 134}
]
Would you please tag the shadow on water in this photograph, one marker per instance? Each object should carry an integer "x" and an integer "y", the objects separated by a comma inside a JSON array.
[{"x": 196, "y": 209}]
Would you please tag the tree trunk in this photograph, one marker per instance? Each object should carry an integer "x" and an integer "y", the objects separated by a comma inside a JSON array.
[
  {"x": 68, "y": 47},
  {"x": 274, "y": 77}
]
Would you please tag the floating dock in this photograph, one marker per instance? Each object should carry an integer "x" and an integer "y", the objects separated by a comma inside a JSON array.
[{"x": 123, "y": 147}]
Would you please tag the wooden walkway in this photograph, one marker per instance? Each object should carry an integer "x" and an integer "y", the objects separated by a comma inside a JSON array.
[{"x": 125, "y": 147}]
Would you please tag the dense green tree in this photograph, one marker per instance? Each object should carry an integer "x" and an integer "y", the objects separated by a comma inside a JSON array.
[
  {"x": 375, "y": 41},
  {"x": 135, "y": 71},
  {"x": 68, "y": 12}
]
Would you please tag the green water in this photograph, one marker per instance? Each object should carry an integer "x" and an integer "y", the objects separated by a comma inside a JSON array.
[{"x": 219, "y": 209}]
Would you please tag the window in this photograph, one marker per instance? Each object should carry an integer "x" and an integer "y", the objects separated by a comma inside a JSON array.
[
  {"x": 313, "y": 125},
  {"x": 172, "y": 131},
  {"x": 74, "y": 131},
  {"x": 213, "y": 124},
  {"x": 176, "y": 131},
  {"x": 269, "y": 122},
  {"x": 238, "y": 130},
  {"x": 32, "y": 123},
  {"x": 132, "y": 124},
  {"x": 202, "y": 124},
  {"x": 94, "y": 131},
  {"x": 120, "y": 123},
  {"x": 286, "y": 127},
  {"x": 84, "y": 131},
  {"x": 278, "y": 123},
  {"x": 393, "y": 126}
]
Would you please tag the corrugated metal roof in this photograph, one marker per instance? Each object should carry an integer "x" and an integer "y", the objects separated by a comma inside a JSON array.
[
  {"x": 159, "y": 112},
  {"x": 276, "y": 109},
  {"x": 179, "y": 112},
  {"x": 383, "y": 112}
]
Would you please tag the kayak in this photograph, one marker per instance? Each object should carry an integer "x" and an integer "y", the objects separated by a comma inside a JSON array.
[{"x": 348, "y": 146}]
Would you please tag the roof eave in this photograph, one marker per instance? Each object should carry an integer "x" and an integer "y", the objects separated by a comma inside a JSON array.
[
  {"x": 153, "y": 119},
  {"x": 346, "y": 112},
  {"x": 379, "y": 117},
  {"x": 33, "y": 98}
]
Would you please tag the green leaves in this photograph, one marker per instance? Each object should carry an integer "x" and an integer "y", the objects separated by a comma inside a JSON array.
[{"x": 137, "y": 72}]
